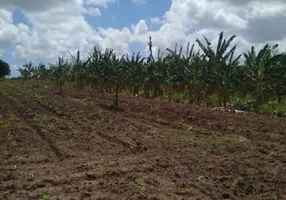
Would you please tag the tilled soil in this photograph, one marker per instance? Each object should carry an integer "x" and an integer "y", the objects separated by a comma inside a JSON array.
[{"x": 76, "y": 146}]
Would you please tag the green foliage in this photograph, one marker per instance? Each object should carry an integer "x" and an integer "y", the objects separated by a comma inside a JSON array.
[
  {"x": 264, "y": 72},
  {"x": 26, "y": 70},
  {"x": 221, "y": 66},
  {"x": 44, "y": 197},
  {"x": 211, "y": 76},
  {"x": 273, "y": 107},
  {"x": 211, "y": 101},
  {"x": 242, "y": 102},
  {"x": 4, "y": 69},
  {"x": 178, "y": 97}
]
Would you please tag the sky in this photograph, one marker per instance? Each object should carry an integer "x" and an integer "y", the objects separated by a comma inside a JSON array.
[{"x": 42, "y": 30}]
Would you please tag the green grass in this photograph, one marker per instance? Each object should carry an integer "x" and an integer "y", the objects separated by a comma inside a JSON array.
[{"x": 44, "y": 196}]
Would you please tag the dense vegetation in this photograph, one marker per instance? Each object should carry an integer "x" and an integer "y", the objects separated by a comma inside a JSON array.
[
  {"x": 210, "y": 76},
  {"x": 4, "y": 69}
]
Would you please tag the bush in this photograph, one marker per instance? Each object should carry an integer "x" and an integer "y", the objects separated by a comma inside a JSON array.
[
  {"x": 211, "y": 101},
  {"x": 273, "y": 107},
  {"x": 242, "y": 103},
  {"x": 177, "y": 97}
]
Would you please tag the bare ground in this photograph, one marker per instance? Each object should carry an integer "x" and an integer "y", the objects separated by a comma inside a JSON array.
[{"x": 75, "y": 146}]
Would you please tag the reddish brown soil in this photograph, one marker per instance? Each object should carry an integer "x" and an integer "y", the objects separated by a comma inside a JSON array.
[{"x": 76, "y": 146}]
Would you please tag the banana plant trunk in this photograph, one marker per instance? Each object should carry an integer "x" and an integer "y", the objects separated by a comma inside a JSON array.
[
  {"x": 191, "y": 97},
  {"x": 219, "y": 91},
  {"x": 37, "y": 81},
  {"x": 135, "y": 89},
  {"x": 146, "y": 91},
  {"x": 61, "y": 91},
  {"x": 169, "y": 92},
  {"x": 116, "y": 104},
  {"x": 259, "y": 95}
]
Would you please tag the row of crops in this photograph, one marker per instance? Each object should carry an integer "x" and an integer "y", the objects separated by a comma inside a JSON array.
[{"x": 214, "y": 75}]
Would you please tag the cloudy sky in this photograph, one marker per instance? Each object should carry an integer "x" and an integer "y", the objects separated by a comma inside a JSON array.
[{"x": 41, "y": 30}]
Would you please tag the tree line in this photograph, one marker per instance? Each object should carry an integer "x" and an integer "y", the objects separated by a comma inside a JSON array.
[{"x": 196, "y": 75}]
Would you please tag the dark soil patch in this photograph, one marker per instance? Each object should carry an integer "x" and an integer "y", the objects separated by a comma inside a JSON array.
[{"x": 148, "y": 150}]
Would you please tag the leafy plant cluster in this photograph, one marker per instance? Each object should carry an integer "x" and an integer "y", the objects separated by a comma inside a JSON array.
[{"x": 203, "y": 76}]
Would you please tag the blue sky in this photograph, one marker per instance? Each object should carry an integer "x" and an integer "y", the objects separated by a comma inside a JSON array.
[
  {"x": 42, "y": 30},
  {"x": 126, "y": 13},
  {"x": 117, "y": 15}
]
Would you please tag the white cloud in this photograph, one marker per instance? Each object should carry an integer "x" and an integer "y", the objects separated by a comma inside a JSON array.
[
  {"x": 5, "y": 16},
  {"x": 156, "y": 20},
  {"x": 8, "y": 31},
  {"x": 138, "y": 2},
  {"x": 117, "y": 39},
  {"x": 92, "y": 11},
  {"x": 254, "y": 22},
  {"x": 102, "y": 3},
  {"x": 57, "y": 30},
  {"x": 36, "y": 6},
  {"x": 266, "y": 10},
  {"x": 141, "y": 28},
  {"x": 53, "y": 28}
]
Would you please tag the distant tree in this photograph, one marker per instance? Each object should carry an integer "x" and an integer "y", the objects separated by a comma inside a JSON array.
[{"x": 4, "y": 69}]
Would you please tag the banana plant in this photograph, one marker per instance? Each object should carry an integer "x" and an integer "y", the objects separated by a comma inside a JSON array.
[
  {"x": 175, "y": 64},
  {"x": 279, "y": 78},
  {"x": 262, "y": 69},
  {"x": 212, "y": 70},
  {"x": 192, "y": 72},
  {"x": 118, "y": 76},
  {"x": 59, "y": 72},
  {"x": 36, "y": 74},
  {"x": 79, "y": 70},
  {"x": 135, "y": 70},
  {"x": 152, "y": 68},
  {"x": 106, "y": 71},
  {"x": 26, "y": 71},
  {"x": 94, "y": 69},
  {"x": 218, "y": 63},
  {"x": 43, "y": 71}
]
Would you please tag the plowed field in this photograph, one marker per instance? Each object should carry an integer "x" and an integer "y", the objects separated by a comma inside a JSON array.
[{"x": 75, "y": 146}]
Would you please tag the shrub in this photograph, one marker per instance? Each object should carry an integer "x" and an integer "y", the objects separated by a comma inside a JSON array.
[
  {"x": 212, "y": 101},
  {"x": 273, "y": 107},
  {"x": 242, "y": 103}
]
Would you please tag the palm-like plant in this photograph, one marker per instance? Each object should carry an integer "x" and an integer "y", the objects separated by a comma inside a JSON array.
[
  {"x": 118, "y": 76},
  {"x": 218, "y": 63},
  {"x": 94, "y": 69},
  {"x": 280, "y": 77},
  {"x": 209, "y": 71},
  {"x": 192, "y": 72},
  {"x": 26, "y": 71},
  {"x": 59, "y": 72},
  {"x": 262, "y": 70},
  {"x": 42, "y": 71},
  {"x": 152, "y": 69},
  {"x": 79, "y": 70},
  {"x": 134, "y": 71}
]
